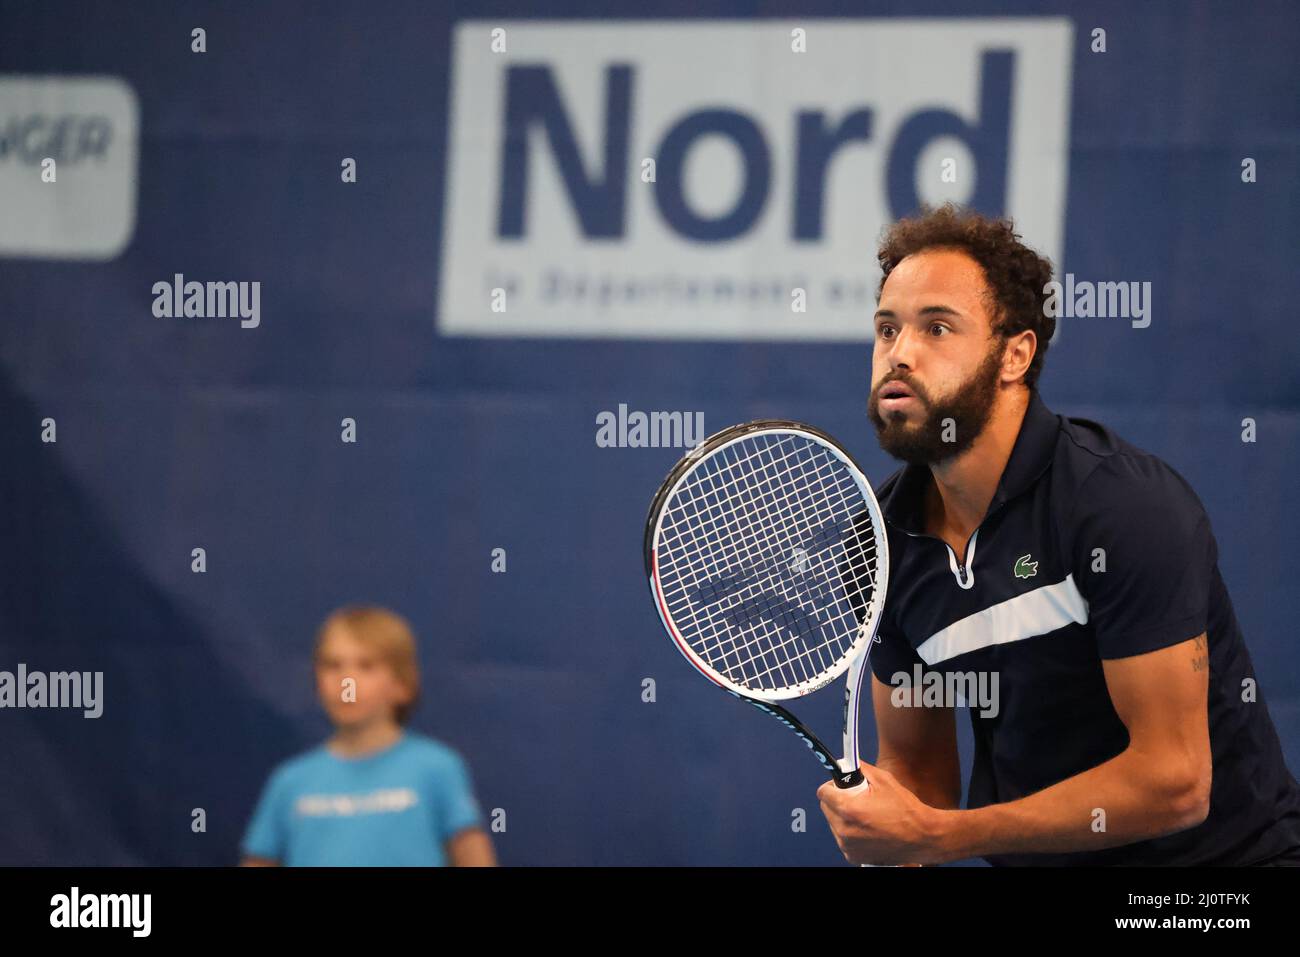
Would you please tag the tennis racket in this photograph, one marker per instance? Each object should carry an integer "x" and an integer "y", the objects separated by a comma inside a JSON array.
[{"x": 768, "y": 563}]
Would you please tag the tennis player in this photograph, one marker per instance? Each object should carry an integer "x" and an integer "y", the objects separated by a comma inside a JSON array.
[
  {"x": 1078, "y": 570},
  {"x": 374, "y": 794}
]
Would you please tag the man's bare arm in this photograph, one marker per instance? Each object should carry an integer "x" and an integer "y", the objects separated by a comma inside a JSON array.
[
  {"x": 1158, "y": 785},
  {"x": 471, "y": 848},
  {"x": 919, "y": 747}
]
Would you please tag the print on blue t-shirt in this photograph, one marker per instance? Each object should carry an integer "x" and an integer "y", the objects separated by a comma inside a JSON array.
[{"x": 395, "y": 808}]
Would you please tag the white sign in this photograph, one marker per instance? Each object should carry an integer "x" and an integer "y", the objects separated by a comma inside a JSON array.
[
  {"x": 69, "y": 155},
  {"x": 774, "y": 170}
]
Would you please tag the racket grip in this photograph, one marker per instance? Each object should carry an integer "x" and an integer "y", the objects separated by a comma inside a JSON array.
[{"x": 850, "y": 779}]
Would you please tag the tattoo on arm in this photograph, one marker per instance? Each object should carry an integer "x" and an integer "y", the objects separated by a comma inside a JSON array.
[{"x": 1202, "y": 659}]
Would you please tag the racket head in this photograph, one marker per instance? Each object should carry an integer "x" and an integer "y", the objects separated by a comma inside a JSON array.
[{"x": 754, "y": 516}]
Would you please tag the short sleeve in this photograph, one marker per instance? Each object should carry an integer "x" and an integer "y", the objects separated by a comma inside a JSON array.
[
  {"x": 891, "y": 654},
  {"x": 268, "y": 831},
  {"x": 1142, "y": 556},
  {"x": 459, "y": 808}
]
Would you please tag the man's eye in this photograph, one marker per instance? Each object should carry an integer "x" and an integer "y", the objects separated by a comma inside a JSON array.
[
  {"x": 938, "y": 329},
  {"x": 885, "y": 332}
]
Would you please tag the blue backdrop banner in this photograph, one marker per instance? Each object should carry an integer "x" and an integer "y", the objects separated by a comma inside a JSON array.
[{"x": 524, "y": 258}]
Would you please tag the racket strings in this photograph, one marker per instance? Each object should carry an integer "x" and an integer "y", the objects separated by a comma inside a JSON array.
[
  {"x": 707, "y": 525},
  {"x": 795, "y": 525},
  {"x": 737, "y": 543},
  {"x": 807, "y": 661},
  {"x": 745, "y": 519},
  {"x": 740, "y": 544},
  {"x": 764, "y": 654}
]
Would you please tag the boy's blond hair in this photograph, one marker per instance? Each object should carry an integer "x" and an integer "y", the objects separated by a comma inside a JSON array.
[{"x": 386, "y": 633}]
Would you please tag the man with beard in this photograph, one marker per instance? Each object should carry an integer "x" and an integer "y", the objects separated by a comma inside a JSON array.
[{"x": 1078, "y": 570}]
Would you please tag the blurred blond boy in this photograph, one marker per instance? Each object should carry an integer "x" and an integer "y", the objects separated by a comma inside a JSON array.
[{"x": 375, "y": 793}]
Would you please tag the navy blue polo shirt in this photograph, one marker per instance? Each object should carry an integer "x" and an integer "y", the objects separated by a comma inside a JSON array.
[{"x": 1091, "y": 549}]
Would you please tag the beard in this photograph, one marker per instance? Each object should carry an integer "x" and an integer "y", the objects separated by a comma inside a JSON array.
[{"x": 923, "y": 442}]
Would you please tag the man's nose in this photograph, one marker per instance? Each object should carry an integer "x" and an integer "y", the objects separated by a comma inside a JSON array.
[{"x": 902, "y": 351}]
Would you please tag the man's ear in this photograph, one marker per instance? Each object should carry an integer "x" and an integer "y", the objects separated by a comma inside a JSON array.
[{"x": 1017, "y": 355}]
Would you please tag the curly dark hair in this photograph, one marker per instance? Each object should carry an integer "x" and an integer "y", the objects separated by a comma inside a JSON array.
[{"x": 1016, "y": 275}]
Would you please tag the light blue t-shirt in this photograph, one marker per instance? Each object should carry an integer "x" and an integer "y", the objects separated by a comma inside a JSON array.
[{"x": 394, "y": 808}]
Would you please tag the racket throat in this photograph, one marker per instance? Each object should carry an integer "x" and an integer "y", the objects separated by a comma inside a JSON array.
[{"x": 815, "y": 744}]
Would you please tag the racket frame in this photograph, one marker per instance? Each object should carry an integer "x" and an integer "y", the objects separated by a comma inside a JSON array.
[{"x": 845, "y": 771}]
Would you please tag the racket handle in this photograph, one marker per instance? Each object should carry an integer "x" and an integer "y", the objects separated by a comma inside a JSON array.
[{"x": 851, "y": 780}]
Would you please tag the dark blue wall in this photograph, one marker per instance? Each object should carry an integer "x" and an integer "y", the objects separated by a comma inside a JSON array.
[{"x": 174, "y": 435}]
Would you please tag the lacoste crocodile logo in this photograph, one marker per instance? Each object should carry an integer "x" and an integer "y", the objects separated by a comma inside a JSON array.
[{"x": 1025, "y": 568}]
